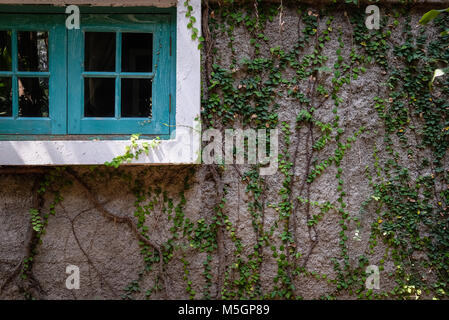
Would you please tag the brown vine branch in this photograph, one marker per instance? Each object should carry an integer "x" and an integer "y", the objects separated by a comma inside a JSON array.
[
  {"x": 313, "y": 80},
  {"x": 28, "y": 285},
  {"x": 220, "y": 234},
  {"x": 208, "y": 42},
  {"x": 89, "y": 260},
  {"x": 124, "y": 220}
]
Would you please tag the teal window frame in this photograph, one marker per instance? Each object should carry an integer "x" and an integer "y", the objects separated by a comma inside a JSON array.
[
  {"x": 56, "y": 122},
  {"x": 66, "y": 86}
]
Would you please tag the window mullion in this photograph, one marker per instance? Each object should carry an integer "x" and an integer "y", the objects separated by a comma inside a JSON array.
[
  {"x": 15, "y": 85},
  {"x": 118, "y": 69}
]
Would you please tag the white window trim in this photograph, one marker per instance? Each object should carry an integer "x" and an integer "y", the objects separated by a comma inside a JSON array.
[{"x": 183, "y": 148}]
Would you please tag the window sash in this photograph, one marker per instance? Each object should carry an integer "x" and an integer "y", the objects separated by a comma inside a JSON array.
[
  {"x": 57, "y": 56},
  {"x": 159, "y": 26}
]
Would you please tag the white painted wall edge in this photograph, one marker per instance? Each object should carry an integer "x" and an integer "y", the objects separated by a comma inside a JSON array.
[{"x": 184, "y": 148}]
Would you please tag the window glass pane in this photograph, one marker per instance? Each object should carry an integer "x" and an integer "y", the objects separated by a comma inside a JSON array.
[
  {"x": 136, "y": 98},
  {"x": 99, "y": 97},
  {"x": 5, "y": 97},
  {"x": 33, "y": 97},
  {"x": 137, "y": 52},
  {"x": 5, "y": 51},
  {"x": 33, "y": 50},
  {"x": 99, "y": 51}
]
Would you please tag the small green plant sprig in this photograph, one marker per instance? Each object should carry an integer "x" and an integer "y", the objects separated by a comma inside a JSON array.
[
  {"x": 52, "y": 183},
  {"x": 191, "y": 24},
  {"x": 133, "y": 151},
  {"x": 36, "y": 220}
]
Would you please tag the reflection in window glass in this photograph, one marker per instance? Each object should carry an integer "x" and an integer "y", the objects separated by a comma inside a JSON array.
[
  {"x": 33, "y": 97},
  {"x": 33, "y": 50},
  {"x": 5, "y": 97},
  {"x": 137, "y": 52},
  {"x": 99, "y": 51},
  {"x": 136, "y": 98},
  {"x": 5, "y": 51},
  {"x": 99, "y": 97}
]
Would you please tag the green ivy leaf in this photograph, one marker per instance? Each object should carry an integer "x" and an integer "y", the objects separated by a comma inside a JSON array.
[{"x": 432, "y": 14}]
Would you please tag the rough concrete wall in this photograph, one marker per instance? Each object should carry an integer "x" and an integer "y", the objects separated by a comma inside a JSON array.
[{"x": 107, "y": 250}]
